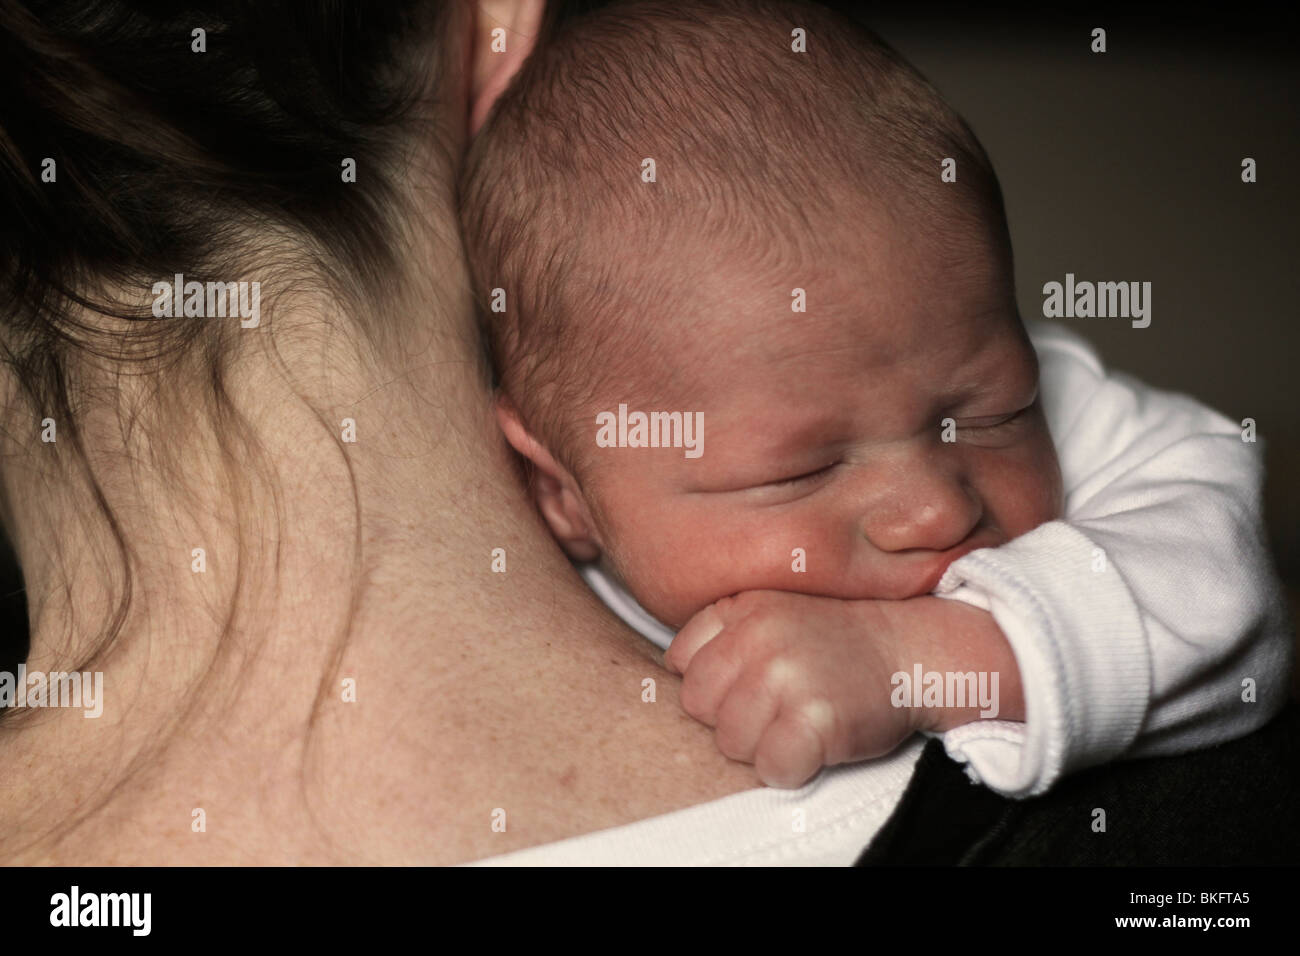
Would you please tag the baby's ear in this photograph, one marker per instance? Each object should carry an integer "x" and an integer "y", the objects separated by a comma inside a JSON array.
[
  {"x": 558, "y": 496},
  {"x": 504, "y": 34}
]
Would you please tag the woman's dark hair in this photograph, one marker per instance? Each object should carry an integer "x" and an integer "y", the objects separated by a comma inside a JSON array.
[{"x": 142, "y": 139}]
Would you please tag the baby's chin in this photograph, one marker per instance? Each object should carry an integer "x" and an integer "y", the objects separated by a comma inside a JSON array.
[{"x": 654, "y": 593}]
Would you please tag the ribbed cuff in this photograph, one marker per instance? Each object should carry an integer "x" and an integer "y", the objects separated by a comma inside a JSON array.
[{"x": 1081, "y": 647}]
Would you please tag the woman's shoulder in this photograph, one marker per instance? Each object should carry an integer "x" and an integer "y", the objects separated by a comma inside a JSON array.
[{"x": 827, "y": 822}]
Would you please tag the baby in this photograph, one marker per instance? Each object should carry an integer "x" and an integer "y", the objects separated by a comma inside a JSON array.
[{"x": 767, "y": 368}]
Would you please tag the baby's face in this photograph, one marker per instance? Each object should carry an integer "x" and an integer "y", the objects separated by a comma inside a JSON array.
[{"x": 824, "y": 432}]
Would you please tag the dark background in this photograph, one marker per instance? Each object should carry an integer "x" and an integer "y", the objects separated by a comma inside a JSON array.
[{"x": 1122, "y": 166}]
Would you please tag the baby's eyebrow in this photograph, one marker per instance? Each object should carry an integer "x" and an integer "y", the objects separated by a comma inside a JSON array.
[
  {"x": 746, "y": 452},
  {"x": 1013, "y": 385},
  {"x": 995, "y": 377},
  {"x": 773, "y": 440}
]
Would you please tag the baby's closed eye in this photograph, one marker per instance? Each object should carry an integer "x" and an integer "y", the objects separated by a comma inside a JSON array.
[
  {"x": 997, "y": 428},
  {"x": 805, "y": 477}
]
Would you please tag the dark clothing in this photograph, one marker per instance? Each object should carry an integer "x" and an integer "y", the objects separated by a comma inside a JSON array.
[{"x": 1234, "y": 804}]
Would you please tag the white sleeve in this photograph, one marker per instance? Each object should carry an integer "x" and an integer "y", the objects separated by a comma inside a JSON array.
[{"x": 1142, "y": 620}]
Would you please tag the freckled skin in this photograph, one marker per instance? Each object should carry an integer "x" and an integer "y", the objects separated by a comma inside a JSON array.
[{"x": 894, "y": 340}]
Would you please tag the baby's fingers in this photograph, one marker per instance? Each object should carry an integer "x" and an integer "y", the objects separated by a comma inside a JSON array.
[
  {"x": 793, "y": 747},
  {"x": 749, "y": 708},
  {"x": 709, "y": 679},
  {"x": 703, "y": 627}
]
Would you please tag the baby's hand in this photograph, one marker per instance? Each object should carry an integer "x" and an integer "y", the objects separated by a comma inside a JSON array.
[{"x": 792, "y": 682}]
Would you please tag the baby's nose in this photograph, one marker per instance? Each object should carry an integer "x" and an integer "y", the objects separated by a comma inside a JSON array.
[{"x": 934, "y": 513}]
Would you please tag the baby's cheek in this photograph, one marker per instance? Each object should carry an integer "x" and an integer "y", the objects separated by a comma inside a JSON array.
[
  {"x": 1050, "y": 499},
  {"x": 1029, "y": 491},
  {"x": 694, "y": 565}
]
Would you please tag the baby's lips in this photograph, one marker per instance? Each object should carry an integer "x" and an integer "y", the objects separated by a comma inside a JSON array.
[
  {"x": 699, "y": 630},
  {"x": 941, "y": 566}
]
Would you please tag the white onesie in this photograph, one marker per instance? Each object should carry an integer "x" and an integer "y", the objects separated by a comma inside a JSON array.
[{"x": 1149, "y": 620}]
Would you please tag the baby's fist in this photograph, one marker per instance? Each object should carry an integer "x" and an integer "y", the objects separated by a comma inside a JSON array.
[{"x": 790, "y": 682}]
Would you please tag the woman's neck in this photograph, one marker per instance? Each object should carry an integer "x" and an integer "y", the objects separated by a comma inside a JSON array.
[
  {"x": 346, "y": 651},
  {"x": 350, "y": 654},
  {"x": 275, "y": 547}
]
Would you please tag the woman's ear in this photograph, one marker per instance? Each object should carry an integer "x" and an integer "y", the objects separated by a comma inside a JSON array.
[
  {"x": 505, "y": 33},
  {"x": 558, "y": 496}
]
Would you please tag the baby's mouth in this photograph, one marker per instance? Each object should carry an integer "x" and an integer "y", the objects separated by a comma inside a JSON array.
[{"x": 981, "y": 539}]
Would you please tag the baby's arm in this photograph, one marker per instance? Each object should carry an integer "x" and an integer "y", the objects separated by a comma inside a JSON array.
[{"x": 1149, "y": 620}]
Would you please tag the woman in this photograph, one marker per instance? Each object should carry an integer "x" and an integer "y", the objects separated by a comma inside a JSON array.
[
  {"x": 330, "y": 627},
  {"x": 306, "y": 654}
]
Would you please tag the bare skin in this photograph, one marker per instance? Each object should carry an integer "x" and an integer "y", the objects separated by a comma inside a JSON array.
[
  {"x": 822, "y": 438},
  {"x": 475, "y": 690}
]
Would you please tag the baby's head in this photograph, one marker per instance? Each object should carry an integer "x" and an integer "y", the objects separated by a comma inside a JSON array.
[{"x": 686, "y": 215}]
